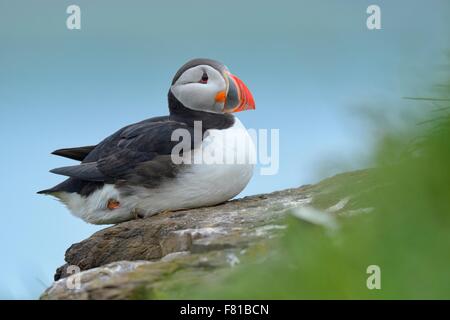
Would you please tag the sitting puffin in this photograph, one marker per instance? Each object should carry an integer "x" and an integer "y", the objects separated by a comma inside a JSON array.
[{"x": 132, "y": 173}]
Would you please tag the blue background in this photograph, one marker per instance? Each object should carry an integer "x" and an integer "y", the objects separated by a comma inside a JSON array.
[{"x": 314, "y": 68}]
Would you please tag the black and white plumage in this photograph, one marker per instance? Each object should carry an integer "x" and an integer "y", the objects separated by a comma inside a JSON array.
[{"x": 131, "y": 173}]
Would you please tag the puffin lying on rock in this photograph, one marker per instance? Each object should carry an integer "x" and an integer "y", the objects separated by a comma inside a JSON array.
[{"x": 132, "y": 173}]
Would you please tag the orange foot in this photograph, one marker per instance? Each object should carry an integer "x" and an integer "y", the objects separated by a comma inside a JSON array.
[{"x": 113, "y": 204}]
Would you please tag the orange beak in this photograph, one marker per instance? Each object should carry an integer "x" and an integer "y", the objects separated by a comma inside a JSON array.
[{"x": 239, "y": 97}]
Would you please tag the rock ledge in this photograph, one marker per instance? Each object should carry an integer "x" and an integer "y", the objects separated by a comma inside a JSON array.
[{"x": 158, "y": 252}]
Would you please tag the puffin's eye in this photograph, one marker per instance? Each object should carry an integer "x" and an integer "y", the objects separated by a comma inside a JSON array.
[{"x": 204, "y": 78}]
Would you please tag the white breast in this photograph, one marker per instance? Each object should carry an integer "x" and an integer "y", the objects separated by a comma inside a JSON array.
[{"x": 227, "y": 167}]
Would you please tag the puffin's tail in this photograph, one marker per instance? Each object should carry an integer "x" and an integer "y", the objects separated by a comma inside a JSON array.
[
  {"x": 66, "y": 185},
  {"x": 48, "y": 191},
  {"x": 72, "y": 153}
]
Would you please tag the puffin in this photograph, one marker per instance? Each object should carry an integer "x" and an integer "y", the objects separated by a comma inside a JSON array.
[{"x": 167, "y": 163}]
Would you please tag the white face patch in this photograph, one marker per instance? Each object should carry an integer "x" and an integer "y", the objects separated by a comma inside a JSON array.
[{"x": 200, "y": 96}]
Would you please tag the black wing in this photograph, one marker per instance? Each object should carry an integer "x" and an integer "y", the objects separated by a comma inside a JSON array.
[{"x": 142, "y": 149}]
